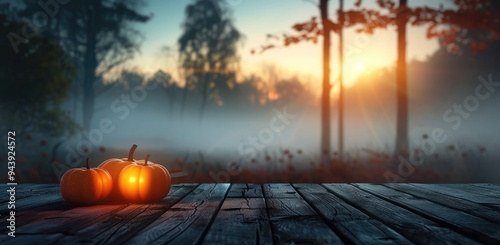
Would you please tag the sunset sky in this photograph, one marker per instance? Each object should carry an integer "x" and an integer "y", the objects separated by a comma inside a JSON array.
[{"x": 256, "y": 18}]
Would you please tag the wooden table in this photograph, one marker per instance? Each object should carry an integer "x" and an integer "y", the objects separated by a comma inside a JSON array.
[{"x": 265, "y": 214}]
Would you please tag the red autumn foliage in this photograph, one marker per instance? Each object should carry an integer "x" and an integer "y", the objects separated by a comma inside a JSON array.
[{"x": 447, "y": 24}]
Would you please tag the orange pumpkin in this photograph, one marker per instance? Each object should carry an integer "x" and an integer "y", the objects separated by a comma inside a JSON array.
[
  {"x": 115, "y": 166},
  {"x": 143, "y": 182},
  {"x": 85, "y": 186}
]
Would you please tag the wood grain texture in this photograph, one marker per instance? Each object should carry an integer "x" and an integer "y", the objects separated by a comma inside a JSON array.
[
  {"x": 28, "y": 190},
  {"x": 280, "y": 191},
  {"x": 488, "y": 200},
  {"x": 245, "y": 190},
  {"x": 475, "y": 189},
  {"x": 412, "y": 226},
  {"x": 188, "y": 220},
  {"x": 124, "y": 224},
  {"x": 241, "y": 221},
  {"x": 34, "y": 199},
  {"x": 265, "y": 214},
  {"x": 463, "y": 205},
  {"x": 349, "y": 222},
  {"x": 293, "y": 220},
  {"x": 493, "y": 187},
  {"x": 71, "y": 222},
  {"x": 463, "y": 223}
]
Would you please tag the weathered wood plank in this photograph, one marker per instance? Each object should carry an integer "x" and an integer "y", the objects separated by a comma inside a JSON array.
[
  {"x": 72, "y": 221},
  {"x": 124, "y": 224},
  {"x": 475, "y": 189},
  {"x": 241, "y": 221},
  {"x": 289, "y": 207},
  {"x": 463, "y": 223},
  {"x": 359, "y": 214},
  {"x": 280, "y": 191},
  {"x": 188, "y": 220},
  {"x": 490, "y": 201},
  {"x": 466, "y": 206},
  {"x": 293, "y": 220},
  {"x": 349, "y": 222},
  {"x": 494, "y": 187},
  {"x": 64, "y": 224},
  {"x": 32, "y": 198},
  {"x": 32, "y": 239},
  {"x": 412, "y": 226},
  {"x": 245, "y": 190},
  {"x": 38, "y": 213},
  {"x": 28, "y": 190}
]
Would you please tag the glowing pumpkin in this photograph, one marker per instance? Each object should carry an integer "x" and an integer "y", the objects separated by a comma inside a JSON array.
[
  {"x": 115, "y": 166},
  {"x": 86, "y": 186},
  {"x": 143, "y": 182}
]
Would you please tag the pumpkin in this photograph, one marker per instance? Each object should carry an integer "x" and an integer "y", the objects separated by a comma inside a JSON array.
[
  {"x": 143, "y": 182},
  {"x": 114, "y": 166},
  {"x": 86, "y": 186}
]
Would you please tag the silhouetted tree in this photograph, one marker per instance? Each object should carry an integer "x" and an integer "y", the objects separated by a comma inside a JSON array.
[
  {"x": 341, "y": 80},
  {"x": 469, "y": 15},
  {"x": 402, "y": 82},
  {"x": 325, "y": 97},
  {"x": 371, "y": 20},
  {"x": 98, "y": 36},
  {"x": 208, "y": 50},
  {"x": 310, "y": 31},
  {"x": 35, "y": 81}
]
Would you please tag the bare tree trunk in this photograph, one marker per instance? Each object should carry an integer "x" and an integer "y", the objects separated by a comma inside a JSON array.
[
  {"x": 89, "y": 79},
  {"x": 341, "y": 81},
  {"x": 325, "y": 99},
  {"x": 402, "y": 84},
  {"x": 90, "y": 66}
]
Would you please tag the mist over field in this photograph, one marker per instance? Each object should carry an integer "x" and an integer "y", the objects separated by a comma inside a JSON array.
[{"x": 238, "y": 89}]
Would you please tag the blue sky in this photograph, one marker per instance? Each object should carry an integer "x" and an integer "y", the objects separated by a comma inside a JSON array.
[{"x": 256, "y": 18}]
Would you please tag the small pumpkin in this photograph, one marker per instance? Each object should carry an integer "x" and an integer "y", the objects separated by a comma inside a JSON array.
[
  {"x": 115, "y": 166},
  {"x": 143, "y": 182},
  {"x": 86, "y": 186}
]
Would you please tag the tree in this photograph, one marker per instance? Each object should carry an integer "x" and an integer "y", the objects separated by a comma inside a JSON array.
[
  {"x": 325, "y": 97},
  {"x": 310, "y": 31},
  {"x": 401, "y": 83},
  {"x": 208, "y": 50},
  {"x": 98, "y": 36},
  {"x": 341, "y": 80},
  {"x": 34, "y": 82},
  {"x": 470, "y": 15},
  {"x": 371, "y": 20},
  {"x": 474, "y": 23}
]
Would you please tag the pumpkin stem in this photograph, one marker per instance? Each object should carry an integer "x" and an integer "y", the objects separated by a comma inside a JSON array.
[
  {"x": 146, "y": 160},
  {"x": 88, "y": 163},
  {"x": 131, "y": 153}
]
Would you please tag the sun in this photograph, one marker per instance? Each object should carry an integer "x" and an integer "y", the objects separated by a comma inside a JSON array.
[{"x": 359, "y": 67}]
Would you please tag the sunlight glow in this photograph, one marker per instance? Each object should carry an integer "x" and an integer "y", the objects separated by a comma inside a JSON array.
[{"x": 359, "y": 67}]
